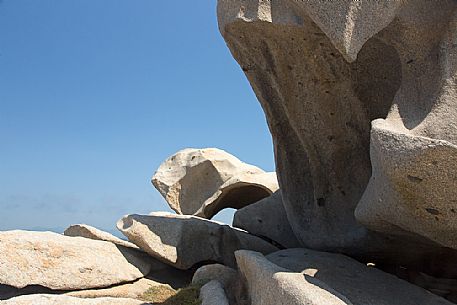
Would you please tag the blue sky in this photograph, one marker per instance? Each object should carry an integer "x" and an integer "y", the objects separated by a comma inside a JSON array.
[{"x": 95, "y": 94}]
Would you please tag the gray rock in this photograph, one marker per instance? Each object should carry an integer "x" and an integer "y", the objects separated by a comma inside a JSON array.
[
  {"x": 358, "y": 283},
  {"x": 316, "y": 107},
  {"x": 267, "y": 218},
  {"x": 66, "y": 263},
  {"x": 319, "y": 107},
  {"x": 223, "y": 274},
  {"x": 212, "y": 293},
  {"x": 269, "y": 284},
  {"x": 49, "y": 299},
  {"x": 183, "y": 241},
  {"x": 204, "y": 181},
  {"x": 413, "y": 150},
  {"x": 349, "y": 24},
  {"x": 87, "y": 231},
  {"x": 413, "y": 187}
]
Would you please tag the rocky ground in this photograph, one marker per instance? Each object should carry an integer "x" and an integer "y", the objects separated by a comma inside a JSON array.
[{"x": 361, "y": 101}]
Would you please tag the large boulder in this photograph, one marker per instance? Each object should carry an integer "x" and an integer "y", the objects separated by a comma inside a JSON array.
[
  {"x": 318, "y": 116},
  {"x": 357, "y": 282},
  {"x": 323, "y": 72},
  {"x": 66, "y": 263},
  {"x": 204, "y": 181},
  {"x": 269, "y": 284},
  {"x": 413, "y": 189},
  {"x": 82, "y": 230},
  {"x": 183, "y": 241},
  {"x": 267, "y": 218},
  {"x": 49, "y": 299}
]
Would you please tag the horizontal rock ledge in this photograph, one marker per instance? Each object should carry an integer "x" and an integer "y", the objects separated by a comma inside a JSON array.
[{"x": 184, "y": 241}]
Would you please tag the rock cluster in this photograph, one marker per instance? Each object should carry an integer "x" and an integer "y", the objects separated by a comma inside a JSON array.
[
  {"x": 88, "y": 266},
  {"x": 361, "y": 100}
]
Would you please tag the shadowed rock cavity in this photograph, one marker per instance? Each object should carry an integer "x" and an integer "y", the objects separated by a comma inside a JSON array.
[{"x": 319, "y": 105}]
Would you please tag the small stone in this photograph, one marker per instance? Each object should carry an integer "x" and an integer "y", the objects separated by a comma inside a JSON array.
[
  {"x": 212, "y": 293},
  {"x": 223, "y": 274}
]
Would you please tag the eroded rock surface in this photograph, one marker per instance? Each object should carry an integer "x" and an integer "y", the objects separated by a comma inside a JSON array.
[
  {"x": 133, "y": 290},
  {"x": 414, "y": 149},
  {"x": 223, "y": 274},
  {"x": 358, "y": 283},
  {"x": 318, "y": 111},
  {"x": 269, "y": 284},
  {"x": 183, "y": 241},
  {"x": 205, "y": 181},
  {"x": 323, "y": 71},
  {"x": 267, "y": 218},
  {"x": 66, "y": 263},
  {"x": 212, "y": 293}
]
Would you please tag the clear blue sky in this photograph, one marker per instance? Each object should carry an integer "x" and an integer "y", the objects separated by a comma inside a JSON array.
[{"x": 95, "y": 94}]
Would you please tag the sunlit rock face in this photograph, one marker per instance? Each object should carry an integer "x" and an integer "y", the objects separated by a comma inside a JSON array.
[
  {"x": 324, "y": 75},
  {"x": 203, "y": 182},
  {"x": 413, "y": 188}
]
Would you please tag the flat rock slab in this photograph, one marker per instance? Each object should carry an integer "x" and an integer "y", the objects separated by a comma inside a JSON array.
[
  {"x": 358, "y": 283},
  {"x": 183, "y": 241},
  {"x": 66, "y": 263},
  {"x": 49, "y": 299},
  {"x": 133, "y": 290},
  {"x": 269, "y": 284},
  {"x": 82, "y": 230}
]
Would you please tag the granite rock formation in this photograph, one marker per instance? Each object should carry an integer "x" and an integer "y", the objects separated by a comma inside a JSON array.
[
  {"x": 326, "y": 72},
  {"x": 202, "y": 182}
]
